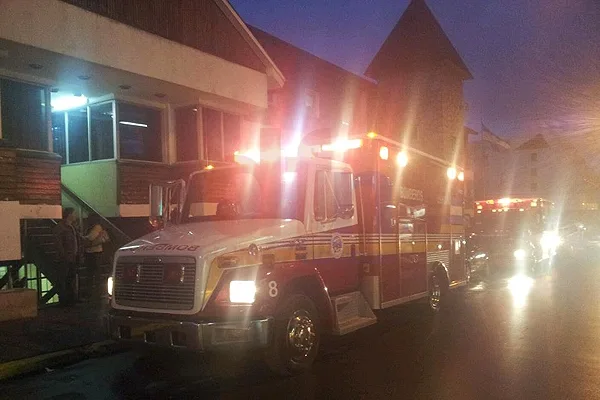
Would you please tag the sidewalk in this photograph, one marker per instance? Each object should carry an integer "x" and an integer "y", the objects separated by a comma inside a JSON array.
[{"x": 56, "y": 336}]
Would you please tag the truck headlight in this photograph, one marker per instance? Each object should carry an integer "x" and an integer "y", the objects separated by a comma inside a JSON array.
[
  {"x": 242, "y": 292},
  {"x": 109, "y": 285},
  {"x": 550, "y": 240},
  {"x": 520, "y": 254}
]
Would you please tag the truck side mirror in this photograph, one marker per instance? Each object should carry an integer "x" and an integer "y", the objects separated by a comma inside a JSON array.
[{"x": 157, "y": 205}]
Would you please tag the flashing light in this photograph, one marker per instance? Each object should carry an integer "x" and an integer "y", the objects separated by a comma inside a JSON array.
[
  {"x": 533, "y": 204},
  {"x": 371, "y": 135},
  {"x": 384, "y": 152},
  {"x": 504, "y": 201},
  {"x": 494, "y": 210},
  {"x": 461, "y": 176},
  {"x": 209, "y": 167},
  {"x": 478, "y": 211},
  {"x": 451, "y": 173},
  {"x": 479, "y": 207},
  {"x": 242, "y": 292},
  {"x": 342, "y": 145},
  {"x": 489, "y": 202},
  {"x": 402, "y": 159},
  {"x": 521, "y": 209}
]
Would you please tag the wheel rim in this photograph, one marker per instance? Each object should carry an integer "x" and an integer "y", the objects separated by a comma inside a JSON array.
[
  {"x": 301, "y": 335},
  {"x": 436, "y": 294}
]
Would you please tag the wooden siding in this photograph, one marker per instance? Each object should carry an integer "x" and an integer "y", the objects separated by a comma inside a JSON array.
[
  {"x": 200, "y": 24},
  {"x": 134, "y": 179},
  {"x": 30, "y": 177}
]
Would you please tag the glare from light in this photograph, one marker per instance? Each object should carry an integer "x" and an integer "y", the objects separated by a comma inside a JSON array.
[
  {"x": 461, "y": 176},
  {"x": 252, "y": 155},
  {"x": 371, "y": 135},
  {"x": 520, "y": 286},
  {"x": 133, "y": 124},
  {"x": 62, "y": 103},
  {"x": 402, "y": 159},
  {"x": 289, "y": 176},
  {"x": 479, "y": 207},
  {"x": 384, "y": 152},
  {"x": 520, "y": 254},
  {"x": 109, "y": 285},
  {"x": 550, "y": 240},
  {"x": 521, "y": 209},
  {"x": 242, "y": 292},
  {"x": 533, "y": 204},
  {"x": 451, "y": 173},
  {"x": 342, "y": 145},
  {"x": 209, "y": 167}
]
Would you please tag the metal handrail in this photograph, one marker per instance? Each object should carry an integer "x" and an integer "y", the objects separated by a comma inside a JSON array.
[{"x": 89, "y": 208}]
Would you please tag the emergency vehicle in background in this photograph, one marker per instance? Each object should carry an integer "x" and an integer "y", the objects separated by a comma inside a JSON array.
[
  {"x": 519, "y": 233},
  {"x": 278, "y": 253}
]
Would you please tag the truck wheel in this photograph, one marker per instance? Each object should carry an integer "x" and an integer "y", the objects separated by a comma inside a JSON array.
[
  {"x": 296, "y": 336},
  {"x": 438, "y": 291}
]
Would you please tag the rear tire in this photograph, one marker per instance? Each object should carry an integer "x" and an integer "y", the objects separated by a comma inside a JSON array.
[
  {"x": 296, "y": 336},
  {"x": 438, "y": 291}
]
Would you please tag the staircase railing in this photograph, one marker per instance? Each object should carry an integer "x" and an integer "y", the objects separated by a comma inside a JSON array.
[{"x": 120, "y": 236}]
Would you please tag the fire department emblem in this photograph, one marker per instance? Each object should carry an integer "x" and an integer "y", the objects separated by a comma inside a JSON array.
[{"x": 337, "y": 245}]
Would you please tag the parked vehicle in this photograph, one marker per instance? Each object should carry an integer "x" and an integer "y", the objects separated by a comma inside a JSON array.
[{"x": 276, "y": 254}]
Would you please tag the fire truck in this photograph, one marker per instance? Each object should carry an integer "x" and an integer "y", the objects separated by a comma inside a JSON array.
[
  {"x": 517, "y": 233},
  {"x": 275, "y": 254}
]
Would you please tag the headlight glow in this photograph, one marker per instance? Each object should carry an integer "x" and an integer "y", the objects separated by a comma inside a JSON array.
[
  {"x": 242, "y": 292},
  {"x": 109, "y": 285},
  {"x": 520, "y": 254},
  {"x": 550, "y": 240}
]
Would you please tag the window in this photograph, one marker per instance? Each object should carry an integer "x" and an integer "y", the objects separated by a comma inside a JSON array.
[
  {"x": 533, "y": 171},
  {"x": 23, "y": 112},
  {"x": 77, "y": 132},
  {"x": 139, "y": 132},
  {"x": 59, "y": 143},
  {"x": 333, "y": 192},
  {"x": 221, "y": 134},
  {"x": 102, "y": 131},
  {"x": 231, "y": 134},
  {"x": 212, "y": 133},
  {"x": 534, "y": 156},
  {"x": 186, "y": 128}
]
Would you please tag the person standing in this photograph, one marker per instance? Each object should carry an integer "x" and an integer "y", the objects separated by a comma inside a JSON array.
[
  {"x": 96, "y": 236},
  {"x": 68, "y": 257}
]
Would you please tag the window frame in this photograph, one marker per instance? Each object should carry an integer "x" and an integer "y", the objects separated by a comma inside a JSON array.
[
  {"x": 117, "y": 131},
  {"x": 328, "y": 182}
]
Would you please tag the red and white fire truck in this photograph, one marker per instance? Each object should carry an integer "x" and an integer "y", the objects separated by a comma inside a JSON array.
[{"x": 278, "y": 253}]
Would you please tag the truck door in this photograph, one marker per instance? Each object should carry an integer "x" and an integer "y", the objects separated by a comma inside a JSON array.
[{"x": 413, "y": 260}]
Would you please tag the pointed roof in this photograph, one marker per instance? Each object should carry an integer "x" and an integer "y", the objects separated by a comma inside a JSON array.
[
  {"x": 276, "y": 78},
  {"x": 417, "y": 37},
  {"x": 537, "y": 142}
]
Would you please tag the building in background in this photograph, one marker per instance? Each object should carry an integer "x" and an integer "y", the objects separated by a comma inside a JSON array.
[{"x": 99, "y": 98}]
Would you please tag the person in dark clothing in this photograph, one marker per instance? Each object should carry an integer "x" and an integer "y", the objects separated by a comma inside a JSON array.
[{"x": 68, "y": 257}]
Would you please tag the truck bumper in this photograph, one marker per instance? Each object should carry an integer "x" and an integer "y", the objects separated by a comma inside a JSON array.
[{"x": 202, "y": 336}]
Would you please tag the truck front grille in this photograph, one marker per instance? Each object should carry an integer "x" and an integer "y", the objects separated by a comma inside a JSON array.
[{"x": 164, "y": 283}]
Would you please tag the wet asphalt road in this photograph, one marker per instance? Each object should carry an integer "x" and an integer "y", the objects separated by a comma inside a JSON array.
[{"x": 502, "y": 339}]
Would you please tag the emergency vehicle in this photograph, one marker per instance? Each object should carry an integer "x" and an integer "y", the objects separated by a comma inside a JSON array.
[
  {"x": 278, "y": 253},
  {"x": 517, "y": 232}
]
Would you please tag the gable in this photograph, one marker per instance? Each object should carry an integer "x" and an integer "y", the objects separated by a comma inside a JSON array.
[
  {"x": 538, "y": 142},
  {"x": 416, "y": 39}
]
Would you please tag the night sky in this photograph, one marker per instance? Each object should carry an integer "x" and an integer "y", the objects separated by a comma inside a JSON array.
[{"x": 536, "y": 63}]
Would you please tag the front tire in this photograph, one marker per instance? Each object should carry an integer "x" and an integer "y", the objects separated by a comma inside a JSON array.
[{"x": 296, "y": 336}]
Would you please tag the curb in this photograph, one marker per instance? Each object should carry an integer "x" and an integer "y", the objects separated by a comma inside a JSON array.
[{"x": 12, "y": 369}]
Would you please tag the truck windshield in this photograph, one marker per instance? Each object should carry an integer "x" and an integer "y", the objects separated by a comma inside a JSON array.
[{"x": 246, "y": 192}]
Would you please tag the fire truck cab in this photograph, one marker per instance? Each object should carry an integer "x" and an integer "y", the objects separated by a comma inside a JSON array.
[{"x": 276, "y": 254}]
